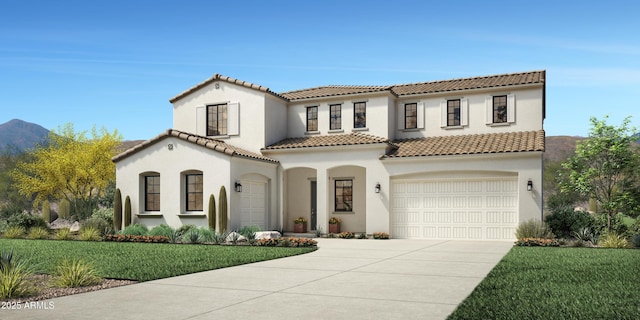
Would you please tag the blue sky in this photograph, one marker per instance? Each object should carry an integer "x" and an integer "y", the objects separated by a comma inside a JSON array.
[{"x": 115, "y": 64}]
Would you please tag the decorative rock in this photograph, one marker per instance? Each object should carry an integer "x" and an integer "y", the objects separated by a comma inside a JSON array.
[
  {"x": 75, "y": 227},
  {"x": 235, "y": 235},
  {"x": 60, "y": 224},
  {"x": 267, "y": 235}
]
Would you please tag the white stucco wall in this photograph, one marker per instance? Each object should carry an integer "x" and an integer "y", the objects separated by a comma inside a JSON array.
[
  {"x": 189, "y": 113},
  {"x": 275, "y": 119}
]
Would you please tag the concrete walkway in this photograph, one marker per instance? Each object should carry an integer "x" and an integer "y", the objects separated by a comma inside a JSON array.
[{"x": 343, "y": 279}]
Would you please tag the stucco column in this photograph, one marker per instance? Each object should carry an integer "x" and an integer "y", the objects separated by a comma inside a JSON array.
[{"x": 323, "y": 200}]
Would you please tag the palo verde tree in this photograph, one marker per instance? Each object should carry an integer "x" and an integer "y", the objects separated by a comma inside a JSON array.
[
  {"x": 604, "y": 167},
  {"x": 75, "y": 166}
]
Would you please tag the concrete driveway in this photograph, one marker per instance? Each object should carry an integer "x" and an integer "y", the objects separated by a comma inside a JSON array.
[{"x": 343, "y": 279}]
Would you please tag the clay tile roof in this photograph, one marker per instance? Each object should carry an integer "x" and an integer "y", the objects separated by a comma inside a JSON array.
[
  {"x": 501, "y": 80},
  {"x": 329, "y": 91},
  {"x": 327, "y": 141},
  {"x": 226, "y": 79},
  {"x": 209, "y": 143},
  {"x": 469, "y": 144}
]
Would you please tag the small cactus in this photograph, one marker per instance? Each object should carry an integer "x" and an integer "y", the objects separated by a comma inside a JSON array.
[
  {"x": 64, "y": 209},
  {"x": 46, "y": 211},
  {"x": 117, "y": 210},
  {"x": 212, "y": 212},
  {"x": 223, "y": 209},
  {"x": 127, "y": 211}
]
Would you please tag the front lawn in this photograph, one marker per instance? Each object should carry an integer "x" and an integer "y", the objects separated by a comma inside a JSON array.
[
  {"x": 558, "y": 283},
  {"x": 143, "y": 261}
]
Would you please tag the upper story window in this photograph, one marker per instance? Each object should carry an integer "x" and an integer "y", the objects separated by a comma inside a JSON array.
[
  {"x": 411, "y": 116},
  {"x": 194, "y": 189},
  {"x": 499, "y": 109},
  {"x": 312, "y": 118},
  {"x": 343, "y": 195},
  {"x": 217, "y": 120},
  {"x": 360, "y": 115},
  {"x": 335, "y": 117},
  {"x": 453, "y": 113},
  {"x": 152, "y": 193}
]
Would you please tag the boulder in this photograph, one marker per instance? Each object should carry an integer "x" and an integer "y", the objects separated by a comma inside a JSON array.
[
  {"x": 267, "y": 235},
  {"x": 61, "y": 224},
  {"x": 235, "y": 235},
  {"x": 75, "y": 227}
]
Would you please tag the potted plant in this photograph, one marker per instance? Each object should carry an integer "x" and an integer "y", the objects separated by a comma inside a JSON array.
[
  {"x": 300, "y": 225},
  {"x": 334, "y": 225}
]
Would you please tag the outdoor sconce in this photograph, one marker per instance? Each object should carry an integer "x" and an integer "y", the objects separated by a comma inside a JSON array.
[
  {"x": 529, "y": 185},
  {"x": 238, "y": 187},
  {"x": 377, "y": 188}
]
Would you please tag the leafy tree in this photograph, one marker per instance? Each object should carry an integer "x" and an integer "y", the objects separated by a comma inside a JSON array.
[
  {"x": 604, "y": 166},
  {"x": 72, "y": 166},
  {"x": 11, "y": 201}
]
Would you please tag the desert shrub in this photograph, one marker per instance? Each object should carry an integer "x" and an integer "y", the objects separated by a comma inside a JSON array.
[
  {"x": 89, "y": 234},
  {"x": 246, "y": 231},
  {"x": 587, "y": 235},
  {"x": 564, "y": 221},
  {"x": 219, "y": 238},
  {"x": 105, "y": 214},
  {"x": 96, "y": 222},
  {"x": 135, "y": 230},
  {"x": 613, "y": 240},
  {"x": 562, "y": 200},
  {"x": 14, "y": 232},
  {"x": 64, "y": 209},
  {"x": 38, "y": 233},
  {"x": 162, "y": 230},
  {"x": 75, "y": 273},
  {"x": 184, "y": 229},
  {"x": 63, "y": 234},
  {"x": 533, "y": 229},
  {"x": 207, "y": 234},
  {"x": 46, "y": 211},
  {"x": 134, "y": 238},
  {"x": 26, "y": 221},
  {"x": 619, "y": 223},
  {"x": 380, "y": 235},
  {"x": 192, "y": 236},
  {"x": 346, "y": 235},
  {"x": 537, "y": 242},
  {"x": 14, "y": 275},
  {"x": 3, "y": 226},
  {"x": 287, "y": 242}
]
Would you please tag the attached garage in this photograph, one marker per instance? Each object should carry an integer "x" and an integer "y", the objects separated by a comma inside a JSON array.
[{"x": 482, "y": 208}]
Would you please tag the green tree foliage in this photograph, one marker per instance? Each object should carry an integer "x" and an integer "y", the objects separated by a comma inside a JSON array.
[
  {"x": 11, "y": 201},
  {"x": 212, "y": 212},
  {"x": 223, "y": 209},
  {"x": 127, "y": 211},
  {"x": 73, "y": 165},
  {"x": 117, "y": 210},
  {"x": 605, "y": 166}
]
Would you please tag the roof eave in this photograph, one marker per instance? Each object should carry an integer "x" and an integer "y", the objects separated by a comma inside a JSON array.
[
  {"x": 356, "y": 95},
  {"x": 495, "y": 88}
]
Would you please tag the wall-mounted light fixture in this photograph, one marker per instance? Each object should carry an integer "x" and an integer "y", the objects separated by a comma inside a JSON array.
[
  {"x": 529, "y": 185},
  {"x": 238, "y": 187},
  {"x": 170, "y": 146},
  {"x": 377, "y": 188}
]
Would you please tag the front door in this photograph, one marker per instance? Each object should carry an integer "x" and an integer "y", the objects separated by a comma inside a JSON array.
[{"x": 314, "y": 217}]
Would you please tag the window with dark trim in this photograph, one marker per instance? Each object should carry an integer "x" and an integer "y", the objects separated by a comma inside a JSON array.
[
  {"x": 312, "y": 118},
  {"x": 335, "y": 117},
  {"x": 344, "y": 195},
  {"x": 194, "y": 192},
  {"x": 453, "y": 112},
  {"x": 152, "y": 193},
  {"x": 360, "y": 115},
  {"x": 411, "y": 116},
  {"x": 217, "y": 120},
  {"x": 500, "y": 109}
]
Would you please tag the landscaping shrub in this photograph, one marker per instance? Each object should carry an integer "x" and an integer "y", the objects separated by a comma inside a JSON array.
[
  {"x": 635, "y": 240},
  {"x": 222, "y": 210},
  {"x": 537, "y": 242},
  {"x": 533, "y": 229},
  {"x": 346, "y": 235},
  {"x": 587, "y": 235},
  {"x": 618, "y": 223},
  {"x": 184, "y": 229},
  {"x": 162, "y": 230},
  {"x": 564, "y": 221},
  {"x": 26, "y": 221},
  {"x": 99, "y": 223},
  {"x": 362, "y": 236},
  {"x": 63, "y": 234},
  {"x": 287, "y": 242},
  {"x": 117, "y": 210},
  {"x": 211, "y": 214},
  {"x": 14, "y": 275},
  {"x": 46, "y": 211},
  {"x": 105, "y": 214},
  {"x": 193, "y": 236},
  {"x": 134, "y": 238},
  {"x": 613, "y": 240},
  {"x": 76, "y": 273},
  {"x": 89, "y": 234},
  {"x": 127, "y": 211},
  {"x": 207, "y": 234},
  {"x": 135, "y": 230},
  {"x": 381, "y": 235},
  {"x": 64, "y": 209},
  {"x": 246, "y": 231},
  {"x": 38, "y": 233},
  {"x": 3, "y": 226},
  {"x": 14, "y": 232},
  {"x": 220, "y": 237}
]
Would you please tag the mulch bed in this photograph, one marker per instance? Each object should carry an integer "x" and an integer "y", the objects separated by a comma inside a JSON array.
[{"x": 46, "y": 291}]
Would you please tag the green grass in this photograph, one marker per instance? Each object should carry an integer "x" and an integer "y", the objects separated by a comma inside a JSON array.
[
  {"x": 143, "y": 261},
  {"x": 558, "y": 283}
]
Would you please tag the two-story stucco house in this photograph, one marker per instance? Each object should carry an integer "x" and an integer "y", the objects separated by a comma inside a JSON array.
[{"x": 452, "y": 159}]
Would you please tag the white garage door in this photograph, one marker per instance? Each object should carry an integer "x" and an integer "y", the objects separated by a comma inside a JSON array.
[
  {"x": 455, "y": 209},
  {"x": 253, "y": 204}
]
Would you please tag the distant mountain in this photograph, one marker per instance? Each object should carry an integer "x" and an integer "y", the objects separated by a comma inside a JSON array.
[
  {"x": 559, "y": 148},
  {"x": 21, "y": 134}
]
